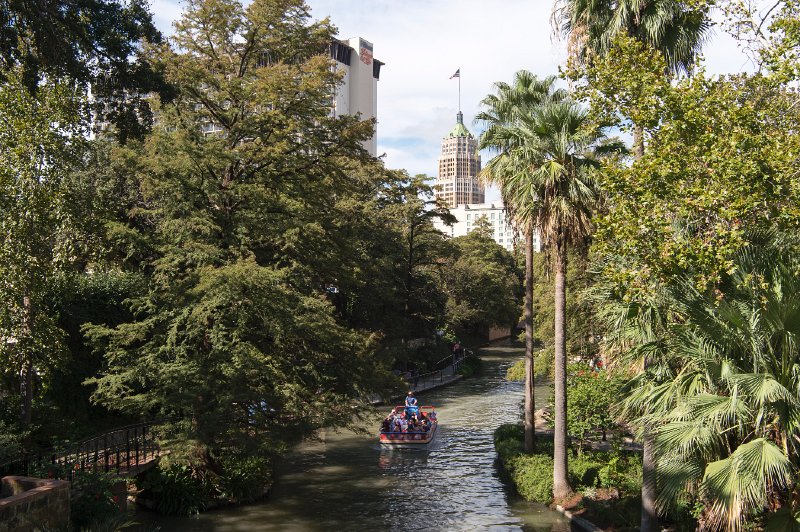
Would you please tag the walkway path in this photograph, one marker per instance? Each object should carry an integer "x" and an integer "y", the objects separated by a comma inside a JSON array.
[{"x": 430, "y": 381}]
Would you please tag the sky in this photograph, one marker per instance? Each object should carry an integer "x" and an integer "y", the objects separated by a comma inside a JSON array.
[{"x": 423, "y": 43}]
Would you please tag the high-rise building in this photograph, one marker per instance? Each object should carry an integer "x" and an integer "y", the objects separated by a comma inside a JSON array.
[
  {"x": 459, "y": 164},
  {"x": 358, "y": 92}
]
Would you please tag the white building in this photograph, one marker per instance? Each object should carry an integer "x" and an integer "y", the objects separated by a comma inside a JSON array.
[
  {"x": 495, "y": 213},
  {"x": 358, "y": 92}
]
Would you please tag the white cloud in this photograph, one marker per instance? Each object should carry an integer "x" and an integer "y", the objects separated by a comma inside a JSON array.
[{"x": 423, "y": 42}]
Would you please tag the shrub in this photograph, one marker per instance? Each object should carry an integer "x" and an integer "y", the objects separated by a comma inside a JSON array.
[
  {"x": 516, "y": 373},
  {"x": 533, "y": 476},
  {"x": 91, "y": 499},
  {"x": 470, "y": 366},
  {"x": 244, "y": 478},
  {"x": 175, "y": 490},
  {"x": 584, "y": 471},
  {"x": 508, "y": 449},
  {"x": 509, "y": 431}
]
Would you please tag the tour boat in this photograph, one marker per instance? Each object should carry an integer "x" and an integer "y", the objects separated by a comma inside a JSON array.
[{"x": 411, "y": 438}]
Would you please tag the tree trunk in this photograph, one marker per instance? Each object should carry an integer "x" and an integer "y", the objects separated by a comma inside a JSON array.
[
  {"x": 561, "y": 487},
  {"x": 26, "y": 392},
  {"x": 26, "y": 370},
  {"x": 638, "y": 142},
  {"x": 649, "y": 522},
  {"x": 530, "y": 403}
]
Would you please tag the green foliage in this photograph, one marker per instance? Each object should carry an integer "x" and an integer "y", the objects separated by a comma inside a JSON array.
[
  {"x": 585, "y": 470},
  {"x": 482, "y": 283},
  {"x": 34, "y": 226},
  {"x": 591, "y": 398},
  {"x": 91, "y": 500},
  {"x": 532, "y": 476},
  {"x": 175, "y": 489},
  {"x": 719, "y": 393},
  {"x": 244, "y": 478},
  {"x": 542, "y": 366},
  {"x": 471, "y": 366},
  {"x": 516, "y": 373},
  {"x": 245, "y": 246},
  {"x": 509, "y": 431},
  {"x": 719, "y": 159}
]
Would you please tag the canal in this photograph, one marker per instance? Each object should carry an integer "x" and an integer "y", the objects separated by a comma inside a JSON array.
[{"x": 346, "y": 481}]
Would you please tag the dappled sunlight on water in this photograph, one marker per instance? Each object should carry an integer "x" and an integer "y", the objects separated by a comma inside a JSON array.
[{"x": 348, "y": 482}]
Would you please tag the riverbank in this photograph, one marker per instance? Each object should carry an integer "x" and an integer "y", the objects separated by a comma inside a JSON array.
[{"x": 606, "y": 484}]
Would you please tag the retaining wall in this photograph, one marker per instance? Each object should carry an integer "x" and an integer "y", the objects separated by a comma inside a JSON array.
[{"x": 27, "y": 504}]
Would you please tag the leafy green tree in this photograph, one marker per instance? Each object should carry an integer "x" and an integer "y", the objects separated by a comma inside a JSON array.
[
  {"x": 89, "y": 41},
  {"x": 40, "y": 140},
  {"x": 593, "y": 395},
  {"x": 677, "y": 30},
  {"x": 236, "y": 339},
  {"x": 503, "y": 114},
  {"x": 727, "y": 140},
  {"x": 482, "y": 282}
]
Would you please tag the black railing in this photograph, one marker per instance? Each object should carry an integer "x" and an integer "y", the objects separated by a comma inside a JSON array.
[
  {"x": 452, "y": 365},
  {"x": 119, "y": 451}
]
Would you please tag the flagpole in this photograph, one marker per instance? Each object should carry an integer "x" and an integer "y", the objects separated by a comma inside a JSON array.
[{"x": 459, "y": 89}]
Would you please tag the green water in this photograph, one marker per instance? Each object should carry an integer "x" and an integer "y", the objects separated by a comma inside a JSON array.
[{"x": 348, "y": 482}]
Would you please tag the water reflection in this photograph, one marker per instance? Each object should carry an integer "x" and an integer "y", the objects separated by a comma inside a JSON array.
[{"x": 346, "y": 481}]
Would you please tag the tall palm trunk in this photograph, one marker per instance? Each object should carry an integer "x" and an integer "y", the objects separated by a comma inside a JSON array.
[
  {"x": 649, "y": 521},
  {"x": 561, "y": 487},
  {"x": 530, "y": 405}
]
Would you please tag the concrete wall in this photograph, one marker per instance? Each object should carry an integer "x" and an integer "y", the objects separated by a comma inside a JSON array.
[
  {"x": 29, "y": 503},
  {"x": 496, "y": 333}
]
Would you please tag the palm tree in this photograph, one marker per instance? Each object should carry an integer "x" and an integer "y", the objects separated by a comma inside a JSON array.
[
  {"x": 547, "y": 180},
  {"x": 722, "y": 397},
  {"x": 501, "y": 114},
  {"x": 562, "y": 147}
]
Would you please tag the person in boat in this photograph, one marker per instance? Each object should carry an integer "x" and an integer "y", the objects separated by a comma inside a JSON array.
[{"x": 411, "y": 405}]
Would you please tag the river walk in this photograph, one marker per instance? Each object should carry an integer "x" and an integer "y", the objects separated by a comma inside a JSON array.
[{"x": 346, "y": 481}]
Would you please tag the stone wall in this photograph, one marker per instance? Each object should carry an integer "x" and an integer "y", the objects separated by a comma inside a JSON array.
[
  {"x": 496, "y": 333},
  {"x": 29, "y": 503}
]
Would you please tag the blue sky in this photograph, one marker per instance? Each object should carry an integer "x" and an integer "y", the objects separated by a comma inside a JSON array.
[{"x": 424, "y": 42}]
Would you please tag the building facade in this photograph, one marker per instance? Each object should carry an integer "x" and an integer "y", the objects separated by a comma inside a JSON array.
[
  {"x": 459, "y": 164},
  {"x": 495, "y": 214},
  {"x": 358, "y": 92}
]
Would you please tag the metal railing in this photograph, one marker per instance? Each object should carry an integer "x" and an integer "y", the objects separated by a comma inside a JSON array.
[
  {"x": 119, "y": 451},
  {"x": 425, "y": 380}
]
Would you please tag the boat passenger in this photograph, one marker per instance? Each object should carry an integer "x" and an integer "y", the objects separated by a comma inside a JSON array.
[{"x": 411, "y": 405}]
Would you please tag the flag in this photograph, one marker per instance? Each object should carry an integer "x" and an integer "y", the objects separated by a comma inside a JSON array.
[{"x": 457, "y": 74}]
